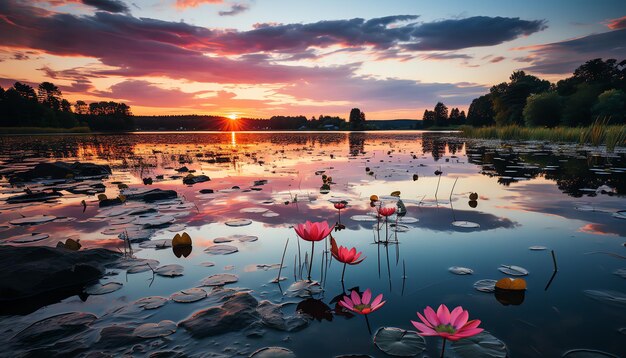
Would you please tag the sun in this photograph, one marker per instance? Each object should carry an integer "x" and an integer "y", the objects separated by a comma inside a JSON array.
[{"x": 232, "y": 116}]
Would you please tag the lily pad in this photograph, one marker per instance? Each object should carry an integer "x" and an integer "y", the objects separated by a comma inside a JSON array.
[
  {"x": 613, "y": 298},
  {"x": 221, "y": 250},
  {"x": 303, "y": 289},
  {"x": 458, "y": 270},
  {"x": 219, "y": 279},
  {"x": 169, "y": 270},
  {"x": 273, "y": 352},
  {"x": 466, "y": 224},
  {"x": 537, "y": 248},
  {"x": 33, "y": 220},
  {"x": 513, "y": 270},
  {"x": 154, "y": 330},
  {"x": 26, "y": 238},
  {"x": 100, "y": 289},
  {"x": 482, "y": 345},
  {"x": 364, "y": 218},
  {"x": 189, "y": 295},
  {"x": 151, "y": 302},
  {"x": 399, "y": 342},
  {"x": 208, "y": 264},
  {"x": 254, "y": 210},
  {"x": 221, "y": 240},
  {"x": 156, "y": 244},
  {"x": 587, "y": 353},
  {"x": 485, "y": 285},
  {"x": 270, "y": 214},
  {"x": 239, "y": 222},
  {"x": 620, "y": 214}
]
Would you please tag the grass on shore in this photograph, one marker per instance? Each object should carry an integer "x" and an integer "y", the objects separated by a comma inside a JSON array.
[
  {"x": 598, "y": 133},
  {"x": 42, "y": 130}
]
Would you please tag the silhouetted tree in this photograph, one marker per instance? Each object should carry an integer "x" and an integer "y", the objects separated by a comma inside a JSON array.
[
  {"x": 49, "y": 95},
  {"x": 428, "y": 118},
  {"x": 357, "y": 120},
  {"x": 481, "y": 112},
  {"x": 81, "y": 107},
  {"x": 543, "y": 109},
  {"x": 441, "y": 114},
  {"x": 612, "y": 106},
  {"x": 509, "y": 99}
]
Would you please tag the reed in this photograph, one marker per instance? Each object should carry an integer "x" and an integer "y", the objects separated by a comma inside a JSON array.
[{"x": 600, "y": 132}]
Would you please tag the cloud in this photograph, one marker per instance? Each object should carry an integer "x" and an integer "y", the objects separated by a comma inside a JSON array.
[
  {"x": 144, "y": 93},
  {"x": 183, "y": 4},
  {"x": 446, "y": 56},
  {"x": 471, "y": 32},
  {"x": 565, "y": 56},
  {"x": 497, "y": 59},
  {"x": 115, "y": 6},
  {"x": 615, "y": 24},
  {"x": 107, "y": 5},
  {"x": 236, "y": 9}
]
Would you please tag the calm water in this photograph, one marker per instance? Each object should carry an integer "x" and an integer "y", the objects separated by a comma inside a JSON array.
[{"x": 530, "y": 194}]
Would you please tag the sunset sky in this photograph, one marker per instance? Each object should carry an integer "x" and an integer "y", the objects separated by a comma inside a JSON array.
[{"x": 258, "y": 58}]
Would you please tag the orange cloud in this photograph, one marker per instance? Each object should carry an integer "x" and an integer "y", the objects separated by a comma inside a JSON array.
[
  {"x": 618, "y": 23},
  {"x": 183, "y": 4}
]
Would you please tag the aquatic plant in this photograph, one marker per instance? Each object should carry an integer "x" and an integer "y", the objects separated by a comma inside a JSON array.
[
  {"x": 340, "y": 205},
  {"x": 362, "y": 304},
  {"x": 447, "y": 325},
  {"x": 313, "y": 231},
  {"x": 386, "y": 211},
  {"x": 345, "y": 255}
]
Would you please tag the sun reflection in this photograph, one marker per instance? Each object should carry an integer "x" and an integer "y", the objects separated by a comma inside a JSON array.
[{"x": 233, "y": 139}]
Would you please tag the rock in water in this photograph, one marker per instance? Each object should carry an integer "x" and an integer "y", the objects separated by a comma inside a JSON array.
[
  {"x": 32, "y": 277},
  {"x": 238, "y": 312}
]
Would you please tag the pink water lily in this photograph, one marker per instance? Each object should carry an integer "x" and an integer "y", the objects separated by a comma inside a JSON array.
[
  {"x": 448, "y": 325},
  {"x": 361, "y": 303},
  {"x": 313, "y": 231},
  {"x": 386, "y": 211}
]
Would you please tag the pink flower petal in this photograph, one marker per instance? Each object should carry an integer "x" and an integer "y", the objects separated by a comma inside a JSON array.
[
  {"x": 423, "y": 329},
  {"x": 432, "y": 316},
  {"x": 355, "y": 298},
  {"x": 460, "y": 320},
  {"x": 443, "y": 314},
  {"x": 423, "y": 319},
  {"x": 377, "y": 306},
  {"x": 367, "y": 296},
  {"x": 377, "y": 300},
  {"x": 471, "y": 324}
]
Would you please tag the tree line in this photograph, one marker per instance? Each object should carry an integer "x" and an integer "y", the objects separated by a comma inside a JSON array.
[
  {"x": 439, "y": 116},
  {"x": 596, "y": 90},
  {"x": 22, "y": 106}
]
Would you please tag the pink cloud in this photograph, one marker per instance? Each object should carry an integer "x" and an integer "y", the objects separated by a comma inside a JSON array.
[
  {"x": 183, "y": 4},
  {"x": 618, "y": 23}
]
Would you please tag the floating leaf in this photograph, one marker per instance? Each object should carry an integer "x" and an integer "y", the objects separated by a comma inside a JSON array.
[
  {"x": 219, "y": 279},
  {"x": 208, "y": 264},
  {"x": 273, "y": 352},
  {"x": 482, "y": 345},
  {"x": 237, "y": 223},
  {"x": 395, "y": 193},
  {"x": 399, "y": 342},
  {"x": 169, "y": 270},
  {"x": 363, "y": 218},
  {"x": 154, "y": 330},
  {"x": 156, "y": 244},
  {"x": 513, "y": 270},
  {"x": 33, "y": 220},
  {"x": 100, "y": 289},
  {"x": 537, "y": 248},
  {"x": 513, "y": 284},
  {"x": 221, "y": 240},
  {"x": 181, "y": 240},
  {"x": 221, "y": 249},
  {"x": 26, "y": 238},
  {"x": 151, "y": 302},
  {"x": 620, "y": 214},
  {"x": 304, "y": 289},
  {"x": 485, "y": 285},
  {"x": 189, "y": 295},
  {"x": 458, "y": 270},
  {"x": 254, "y": 210},
  {"x": 466, "y": 224}
]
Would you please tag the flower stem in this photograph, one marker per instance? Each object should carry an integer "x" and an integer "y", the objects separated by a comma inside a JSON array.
[
  {"x": 343, "y": 272},
  {"x": 340, "y": 216},
  {"x": 369, "y": 329},
  {"x": 386, "y": 230},
  {"x": 311, "y": 263},
  {"x": 443, "y": 347}
]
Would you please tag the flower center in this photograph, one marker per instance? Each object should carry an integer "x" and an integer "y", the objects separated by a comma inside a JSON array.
[
  {"x": 445, "y": 328},
  {"x": 362, "y": 307}
]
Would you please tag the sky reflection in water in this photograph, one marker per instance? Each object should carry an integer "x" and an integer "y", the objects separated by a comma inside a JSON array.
[{"x": 529, "y": 195}]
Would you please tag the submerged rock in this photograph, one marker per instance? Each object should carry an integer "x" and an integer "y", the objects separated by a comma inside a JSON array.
[
  {"x": 61, "y": 170},
  {"x": 236, "y": 313},
  {"x": 149, "y": 195},
  {"x": 193, "y": 179},
  {"x": 32, "y": 277}
]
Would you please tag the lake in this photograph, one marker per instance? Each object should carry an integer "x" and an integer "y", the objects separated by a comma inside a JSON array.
[{"x": 534, "y": 198}]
